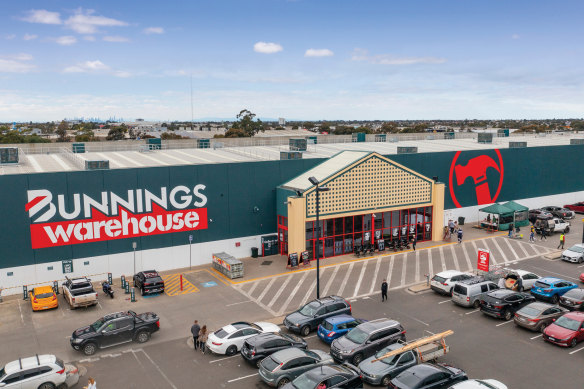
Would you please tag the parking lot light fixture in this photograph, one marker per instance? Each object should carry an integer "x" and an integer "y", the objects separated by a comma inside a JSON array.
[
  {"x": 319, "y": 189},
  {"x": 134, "y": 245}
]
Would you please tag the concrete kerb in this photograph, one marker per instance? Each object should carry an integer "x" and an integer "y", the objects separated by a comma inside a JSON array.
[{"x": 553, "y": 255}]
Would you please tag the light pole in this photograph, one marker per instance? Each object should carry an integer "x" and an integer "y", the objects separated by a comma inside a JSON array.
[
  {"x": 315, "y": 182},
  {"x": 190, "y": 251},
  {"x": 134, "y": 245}
]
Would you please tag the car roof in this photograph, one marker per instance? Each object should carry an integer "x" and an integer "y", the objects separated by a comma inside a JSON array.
[
  {"x": 578, "y": 244},
  {"x": 449, "y": 273},
  {"x": 501, "y": 293},
  {"x": 43, "y": 289},
  {"x": 575, "y": 315},
  {"x": 150, "y": 273},
  {"x": 322, "y": 372},
  {"x": 473, "y": 281},
  {"x": 423, "y": 370},
  {"x": 116, "y": 315},
  {"x": 539, "y": 306},
  {"x": 340, "y": 319},
  {"x": 29, "y": 362},
  {"x": 287, "y": 354},
  {"x": 370, "y": 326},
  {"x": 550, "y": 280},
  {"x": 79, "y": 280}
]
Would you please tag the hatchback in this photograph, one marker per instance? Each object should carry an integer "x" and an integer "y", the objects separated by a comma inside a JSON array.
[
  {"x": 503, "y": 303},
  {"x": 309, "y": 317},
  {"x": 573, "y": 300},
  {"x": 260, "y": 346},
  {"x": 337, "y": 326},
  {"x": 43, "y": 297},
  {"x": 551, "y": 289},
  {"x": 285, "y": 365},
  {"x": 567, "y": 331},
  {"x": 38, "y": 372},
  {"x": 537, "y": 316},
  {"x": 443, "y": 282}
]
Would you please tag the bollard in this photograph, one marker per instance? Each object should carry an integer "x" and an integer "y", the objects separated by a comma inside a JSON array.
[
  {"x": 56, "y": 287},
  {"x": 181, "y": 283},
  {"x": 24, "y": 292},
  {"x": 110, "y": 280},
  {"x": 127, "y": 288},
  {"x": 427, "y": 279},
  {"x": 123, "y": 282},
  {"x": 132, "y": 296}
]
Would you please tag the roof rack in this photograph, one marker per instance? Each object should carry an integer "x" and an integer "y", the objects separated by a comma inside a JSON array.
[
  {"x": 20, "y": 363},
  {"x": 38, "y": 360},
  {"x": 415, "y": 344}
]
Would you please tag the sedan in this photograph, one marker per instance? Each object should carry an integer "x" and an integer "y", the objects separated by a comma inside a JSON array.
[
  {"x": 479, "y": 384},
  {"x": 330, "y": 376},
  {"x": 503, "y": 303},
  {"x": 573, "y": 300},
  {"x": 560, "y": 212},
  {"x": 260, "y": 346},
  {"x": 567, "y": 331},
  {"x": 284, "y": 366},
  {"x": 551, "y": 289},
  {"x": 337, "y": 326},
  {"x": 574, "y": 254},
  {"x": 537, "y": 316},
  {"x": 229, "y": 339},
  {"x": 576, "y": 207},
  {"x": 428, "y": 375}
]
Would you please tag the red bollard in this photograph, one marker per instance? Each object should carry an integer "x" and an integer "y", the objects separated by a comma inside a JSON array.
[{"x": 181, "y": 285}]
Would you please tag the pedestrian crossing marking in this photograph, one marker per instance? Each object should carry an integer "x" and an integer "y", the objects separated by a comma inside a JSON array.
[
  {"x": 172, "y": 285},
  {"x": 454, "y": 257}
]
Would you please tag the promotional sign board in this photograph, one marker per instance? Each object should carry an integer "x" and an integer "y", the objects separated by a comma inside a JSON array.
[
  {"x": 483, "y": 259},
  {"x": 293, "y": 259},
  {"x": 305, "y": 258},
  {"x": 67, "y": 266}
]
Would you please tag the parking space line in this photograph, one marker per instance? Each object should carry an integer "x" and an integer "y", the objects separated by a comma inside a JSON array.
[
  {"x": 441, "y": 251},
  {"x": 388, "y": 279},
  {"x": 281, "y": 289},
  {"x": 505, "y": 259},
  {"x": 330, "y": 281},
  {"x": 222, "y": 359},
  {"x": 537, "y": 336},
  {"x": 266, "y": 289},
  {"x": 417, "y": 275},
  {"x": 476, "y": 249},
  {"x": 241, "y": 302},
  {"x": 375, "y": 274},
  {"x": 217, "y": 275},
  {"x": 455, "y": 258},
  {"x": 466, "y": 257},
  {"x": 360, "y": 278},
  {"x": 342, "y": 289},
  {"x": 404, "y": 269},
  {"x": 473, "y": 311},
  {"x": 502, "y": 324},
  {"x": 242, "y": 378},
  {"x": 493, "y": 256},
  {"x": 158, "y": 368},
  {"x": 291, "y": 295},
  {"x": 575, "y": 351},
  {"x": 308, "y": 293},
  {"x": 507, "y": 241},
  {"x": 557, "y": 274},
  {"x": 430, "y": 265},
  {"x": 253, "y": 287},
  {"x": 445, "y": 301}
]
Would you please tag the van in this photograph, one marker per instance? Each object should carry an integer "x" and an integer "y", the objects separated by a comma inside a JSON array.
[{"x": 466, "y": 293}]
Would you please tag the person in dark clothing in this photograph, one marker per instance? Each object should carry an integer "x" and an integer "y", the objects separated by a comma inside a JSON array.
[
  {"x": 460, "y": 235},
  {"x": 384, "y": 290},
  {"x": 510, "y": 230},
  {"x": 414, "y": 241},
  {"x": 519, "y": 284},
  {"x": 195, "y": 329},
  {"x": 543, "y": 234}
]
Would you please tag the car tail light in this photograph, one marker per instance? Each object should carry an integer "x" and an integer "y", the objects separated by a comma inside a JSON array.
[
  {"x": 331, "y": 334},
  {"x": 96, "y": 295},
  {"x": 350, "y": 308},
  {"x": 468, "y": 299},
  {"x": 445, "y": 284},
  {"x": 158, "y": 323},
  {"x": 403, "y": 332},
  {"x": 277, "y": 367},
  {"x": 216, "y": 344},
  {"x": 497, "y": 306},
  {"x": 534, "y": 320},
  {"x": 61, "y": 371},
  {"x": 73, "y": 299},
  {"x": 34, "y": 300},
  {"x": 147, "y": 284}
]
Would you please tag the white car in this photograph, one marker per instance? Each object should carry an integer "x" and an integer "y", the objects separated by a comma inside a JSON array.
[
  {"x": 38, "y": 372},
  {"x": 443, "y": 282},
  {"x": 229, "y": 339},
  {"x": 527, "y": 278},
  {"x": 574, "y": 253},
  {"x": 479, "y": 384}
]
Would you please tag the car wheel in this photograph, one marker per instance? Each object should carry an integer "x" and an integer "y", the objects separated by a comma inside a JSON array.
[
  {"x": 476, "y": 304},
  {"x": 63, "y": 386},
  {"x": 47, "y": 385},
  {"x": 283, "y": 382},
  {"x": 142, "y": 291},
  {"x": 385, "y": 380},
  {"x": 89, "y": 349},
  {"x": 508, "y": 315},
  {"x": 574, "y": 342},
  {"x": 258, "y": 363},
  {"x": 581, "y": 259},
  {"x": 305, "y": 330},
  {"x": 231, "y": 350},
  {"x": 357, "y": 358},
  {"x": 542, "y": 327},
  {"x": 143, "y": 337},
  {"x": 555, "y": 299},
  {"x": 567, "y": 230}
]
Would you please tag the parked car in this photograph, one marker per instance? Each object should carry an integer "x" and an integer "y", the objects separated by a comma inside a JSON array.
[
  {"x": 551, "y": 289},
  {"x": 285, "y": 365},
  {"x": 229, "y": 339},
  {"x": 309, "y": 317},
  {"x": 560, "y": 212},
  {"x": 78, "y": 292},
  {"x": 329, "y": 376},
  {"x": 366, "y": 339},
  {"x": 337, "y": 326},
  {"x": 114, "y": 329},
  {"x": 443, "y": 282},
  {"x": 576, "y": 207},
  {"x": 43, "y": 297},
  {"x": 551, "y": 224},
  {"x": 534, "y": 213},
  {"x": 503, "y": 303},
  {"x": 479, "y": 384},
  {"x": 258, "y": 347},
  {"x": 467, "y": 293},
  {"x": 581, "y": 277},
  {"x": 428, "y": 375},
  {"x": 382, "y": 371},
  {"x": 149, "y": 281},
  {"x": 537, "y": 316},
  {"x": 574, "y": 254},
  {"x": 38, "y": 372},
  {"x": 528, "y": 279},
  {"x": 573, "y": 300},
  {"x": 567, "y": 331}
]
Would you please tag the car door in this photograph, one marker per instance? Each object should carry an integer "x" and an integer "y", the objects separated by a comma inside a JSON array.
[
  {"x": 334, "y": 381},
  {"x": 406, "y": 361},
  {"x": 125, "y": 329},
  {"x": 549, "y": 314},
  {"x": 319, "y": 316},
  {"x": 528, "y": 280},
  {"x": 107, "y": 334},
  {"x": 31, "y": 378},
  {"x": 12, "y": 381}
]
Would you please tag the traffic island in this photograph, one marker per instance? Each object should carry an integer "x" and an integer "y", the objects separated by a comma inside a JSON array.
[
  {"x": 419, "y": 288},
  {"x": 553, "y": 255}
]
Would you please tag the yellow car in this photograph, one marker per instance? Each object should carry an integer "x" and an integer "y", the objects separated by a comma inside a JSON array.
[{"x": 42, "y": 298}]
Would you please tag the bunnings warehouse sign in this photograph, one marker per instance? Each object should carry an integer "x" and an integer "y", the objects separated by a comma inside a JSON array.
[{"x": 136, "y": 213}]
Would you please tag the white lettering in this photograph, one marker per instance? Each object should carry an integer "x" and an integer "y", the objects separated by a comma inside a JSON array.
[
  {"x": 149, "y": 198},
  {"x": 151, "y": 224},
  {"x": 177, "y": 221},
  {"x": 139, "y": 205},
  {"x": 112, "y": 228},
  {"x": 186, "y": 200},
  {"x": 76, "y": 207},
  {"x": 59, "y": 233},
  {"x": 47, "y": 200},
  {"x": 202, "y": 198},
  {"x": 159, "y": 221},
  {"x": 191, "y": 219},
  {"x": 129, "y": 204},
  {"x": 88, "y": 202},
  {"x": 126, "y": 222},
  {"x": 97, "y": 228}
]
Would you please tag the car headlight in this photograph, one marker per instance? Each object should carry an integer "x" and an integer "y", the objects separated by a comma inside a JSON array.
[
  {"x": 297, "y": 324},
  {"x": 346, "y": 351},
  {"x": 77, "y": 340}
]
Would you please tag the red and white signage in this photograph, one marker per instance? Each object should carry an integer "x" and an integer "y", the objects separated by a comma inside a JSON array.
[
  {"x": 139, "y": 213},
  {"x": 483, "y": 259}
]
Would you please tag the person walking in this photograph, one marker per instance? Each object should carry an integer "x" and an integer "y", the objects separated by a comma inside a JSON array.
[
  {"x": 562, "y": 240},
  {"x": 195, "y": 329},
  {"x": 91, "y": 384},
  {"x": 459, "y": 235},
  {"x": 543, "y": 234},
  {"x": 519, "y": 283},
  {"x": 203, "y": 334},
  {"x": 414, "y": 241},
  {"x": 532, "y": 236},
  {"x": 510, "y": 230},
  {"x": 384, "y": 290}
]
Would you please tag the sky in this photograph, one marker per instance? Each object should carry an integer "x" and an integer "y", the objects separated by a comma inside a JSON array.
[{"x": 296, "y": 59}]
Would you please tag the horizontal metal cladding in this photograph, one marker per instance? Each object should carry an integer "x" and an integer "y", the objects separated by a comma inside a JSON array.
[{"x": 240, "y": 198}]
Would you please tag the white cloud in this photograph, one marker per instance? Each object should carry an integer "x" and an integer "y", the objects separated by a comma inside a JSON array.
[
  {"x": 153, "y": 30},
  {"x": 115, "y": 39},
  {"x": 87, "y": 67},
  {"x": 9, "y": 37},
  {"x": 267, "y": 47},
  {"x": 16, "y": 63},
  {"x": 29, "y": 37},
  {"x": 66, "y": 40},
  {"x": 387, "y": 59},
  {"x": 318, "y": 53},
  {"x": 89, "y": 38},
  {"x": 122, "y": 74},
  {"x": 85, "y": 22},
  {"x": 42, "y": 16},
  {"x": 515, "y": 36}
]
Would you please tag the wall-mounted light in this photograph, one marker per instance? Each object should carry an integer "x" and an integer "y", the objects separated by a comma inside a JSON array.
[
  {"x": 287, "y": 202},
  {"x": 256, "y": 209}
]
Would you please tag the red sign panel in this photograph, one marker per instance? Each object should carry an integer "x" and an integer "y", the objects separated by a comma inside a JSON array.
[{"x": 483, "y": 259}]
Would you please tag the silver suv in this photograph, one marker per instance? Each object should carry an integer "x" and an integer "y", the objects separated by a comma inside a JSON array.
[
  {"x": 38, "y": 372},
  {"x": 467, "y": 292}
]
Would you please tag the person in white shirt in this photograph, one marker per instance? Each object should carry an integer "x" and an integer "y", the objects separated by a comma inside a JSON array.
[{"x": 91, "y": 384}]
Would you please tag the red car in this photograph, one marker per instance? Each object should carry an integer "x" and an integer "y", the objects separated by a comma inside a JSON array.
[
  {"x": 577, "y": 207},
  {"x": 566, "y": 331},
  {"x": 582, "y": 277}
]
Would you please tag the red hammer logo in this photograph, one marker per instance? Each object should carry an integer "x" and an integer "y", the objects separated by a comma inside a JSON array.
[{"x": 476, "y": 168}]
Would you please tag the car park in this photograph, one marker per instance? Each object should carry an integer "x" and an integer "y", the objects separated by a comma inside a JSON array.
[
  {"x": 551, "y": 289},
  {"x": 148, "y": 282},
  {"x": 503, "y": 303},
  {"x": 329, "y": 376},
  {"x": 443, "y": 282},
  {"x": 43, "y": 297},
  {"x": 366, "y": 339},
  {"x": 560, "y": 212},
  {"x": 337, "y": 326},
  {"x": 311, "y": 315},
  {"x": 260, "y": 346},
  {"x": 576, "y": 207},
  {"x": 574, "y": 254},
  {"x": 114, "y": 329},
  {"x": 284, "y": 366},
  {"x": 78, "y": 292},
  {"x": 573, "y": 300},
  {"x": 229, "y": 339},
  {"x": 377, "y": 370},
  {"x": 537, "y": 316},
  {"x": 38, "y": 372},
  {"x": 567, "y": 331},
  {"x": 479, "y": 384},
  {"x": 427, "y": 376},
  {"x": 467, "y": 293}
]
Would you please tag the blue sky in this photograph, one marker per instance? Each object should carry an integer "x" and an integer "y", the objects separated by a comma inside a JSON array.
[{"x": 303, "y": 59}]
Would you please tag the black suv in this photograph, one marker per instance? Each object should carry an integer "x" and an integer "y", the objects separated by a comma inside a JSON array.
[
  {"x": 330, "y": 376},
  {"x": 149, "y": 281},
  {"x": 308, "y": 317},
  {"x": 260, "y": 346},
  {"x": 503, "y": 303},
  {"x": 366, "y": 339}
]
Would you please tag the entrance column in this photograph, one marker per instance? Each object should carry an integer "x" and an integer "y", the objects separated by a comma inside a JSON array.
[
  {"x": 296, "y": 225},
  {"x": 438, "y": 211}
]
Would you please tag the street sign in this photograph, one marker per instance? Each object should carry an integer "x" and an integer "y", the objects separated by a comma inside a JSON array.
[
  {"x": 67, "y": 266},
  {"x": 190, "y": 238},
  {"x": 483, "y": 259}
]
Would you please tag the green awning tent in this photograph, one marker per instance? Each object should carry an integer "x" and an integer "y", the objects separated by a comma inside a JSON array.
[
  {"x": 508, "y": 213},
  {"x": 521, "y": 213}
]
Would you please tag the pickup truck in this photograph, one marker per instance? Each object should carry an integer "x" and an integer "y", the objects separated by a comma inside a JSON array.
[
  {"x": 114, "y": 329},
  {"x": 78, "y": 292},
  {"x": 554, "y": 224}
]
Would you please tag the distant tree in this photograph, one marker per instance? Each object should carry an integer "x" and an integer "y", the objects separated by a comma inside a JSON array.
[
  {"x": 85, "y": 135},
  {"x": 62, "y": 132},
  {"x": 171, "y": 135},
  {"x": 324, "y": 127},
  {"x": 246, "y": 124},
  {"x": 577, "y": 125},
  {"x": 279, "y": 128},
  {"x": 389, "y": 127},
  {"x": 235, "y": 133},
  {"x": 11, "y": 137},
  {"x": 308, "y": 125},
  {"x": 295, "y": 127},
  {"x": 117, "y": 133}
]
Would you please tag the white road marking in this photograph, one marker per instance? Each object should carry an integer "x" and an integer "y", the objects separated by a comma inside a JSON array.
[
  {"x": 330, "y": 281},
  {"x": 241, "y": 302},
  {"x": 575, "y": 351},
  {"x": 442, "y": 260},
  {"x": 34, "y": 163},
  {"x": 557, "y": 274},
  {"x": 255, "y": 284},
  {"x": 537, "y": 336},
  {"x": 581, "y": 266},
  {"x": 502, "y": 324},
  {"x": 20, "y": 309},
  {"x": 466, "y": 257},
  {"x": 110, "y": 159},
  {"x": 169, "y": 155},
  {"x": 61, "y": 163},
  {"x": 360, "y": 278},
  {"x": 266, "y": 289},
  {"x": 505, "y": 259},
  {"x": 375, "y": 274},
  {"x": 403, "y": 274},
  {"x": 281, "y": 289},
  {"x": 193, "y": 156},
  {"x": 158, "y": 161},
  {"x": 492, "y": 257},
  {"x": 291, "y": 295},
  {"x": 514, "y": 252},
  {"x": 242, "y": 378},
  {"x": 222, "y": 359},
  {"x": 476, "y": 249},
  {"x": 308, "y": 293},
  {"x": 445, "y": 301},
  {"x": 455, "y": 258},
  {"x": 342, "y": 288},
  {"x": 476, "y": 310},
  {"x": 417, "y": 275},
  {"x": 430, "y": 265}
]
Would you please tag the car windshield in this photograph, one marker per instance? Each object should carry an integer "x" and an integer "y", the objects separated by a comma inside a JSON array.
[
  {"x": 389, "y": 360},
  {"x": 44, "y": 295},
  {"x": 409, "y": 379},
  {"x": 327, "y": 326},
  {"x": 529, "y": 311},
  {"x": 309, "y": 309},
  {"x": 486, "y": 384},
  {"x": 567, "y": 323},
  {"x": 97, "y": 325},
  {"x": 577, "y": 249},
  {"x": 358, "y": 336},
  {"x": 221, "y": 333},
  {"x": 312, "y": 354},
  {"x": 438, "y": 279},
  {"x": 540, "y": 284},
  {"x": 304, "y": 381}
]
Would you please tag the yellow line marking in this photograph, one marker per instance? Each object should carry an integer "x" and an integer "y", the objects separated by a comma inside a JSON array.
[
  {"x": 172, "y": 285},
  {"x": 219, "y": 276}
]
